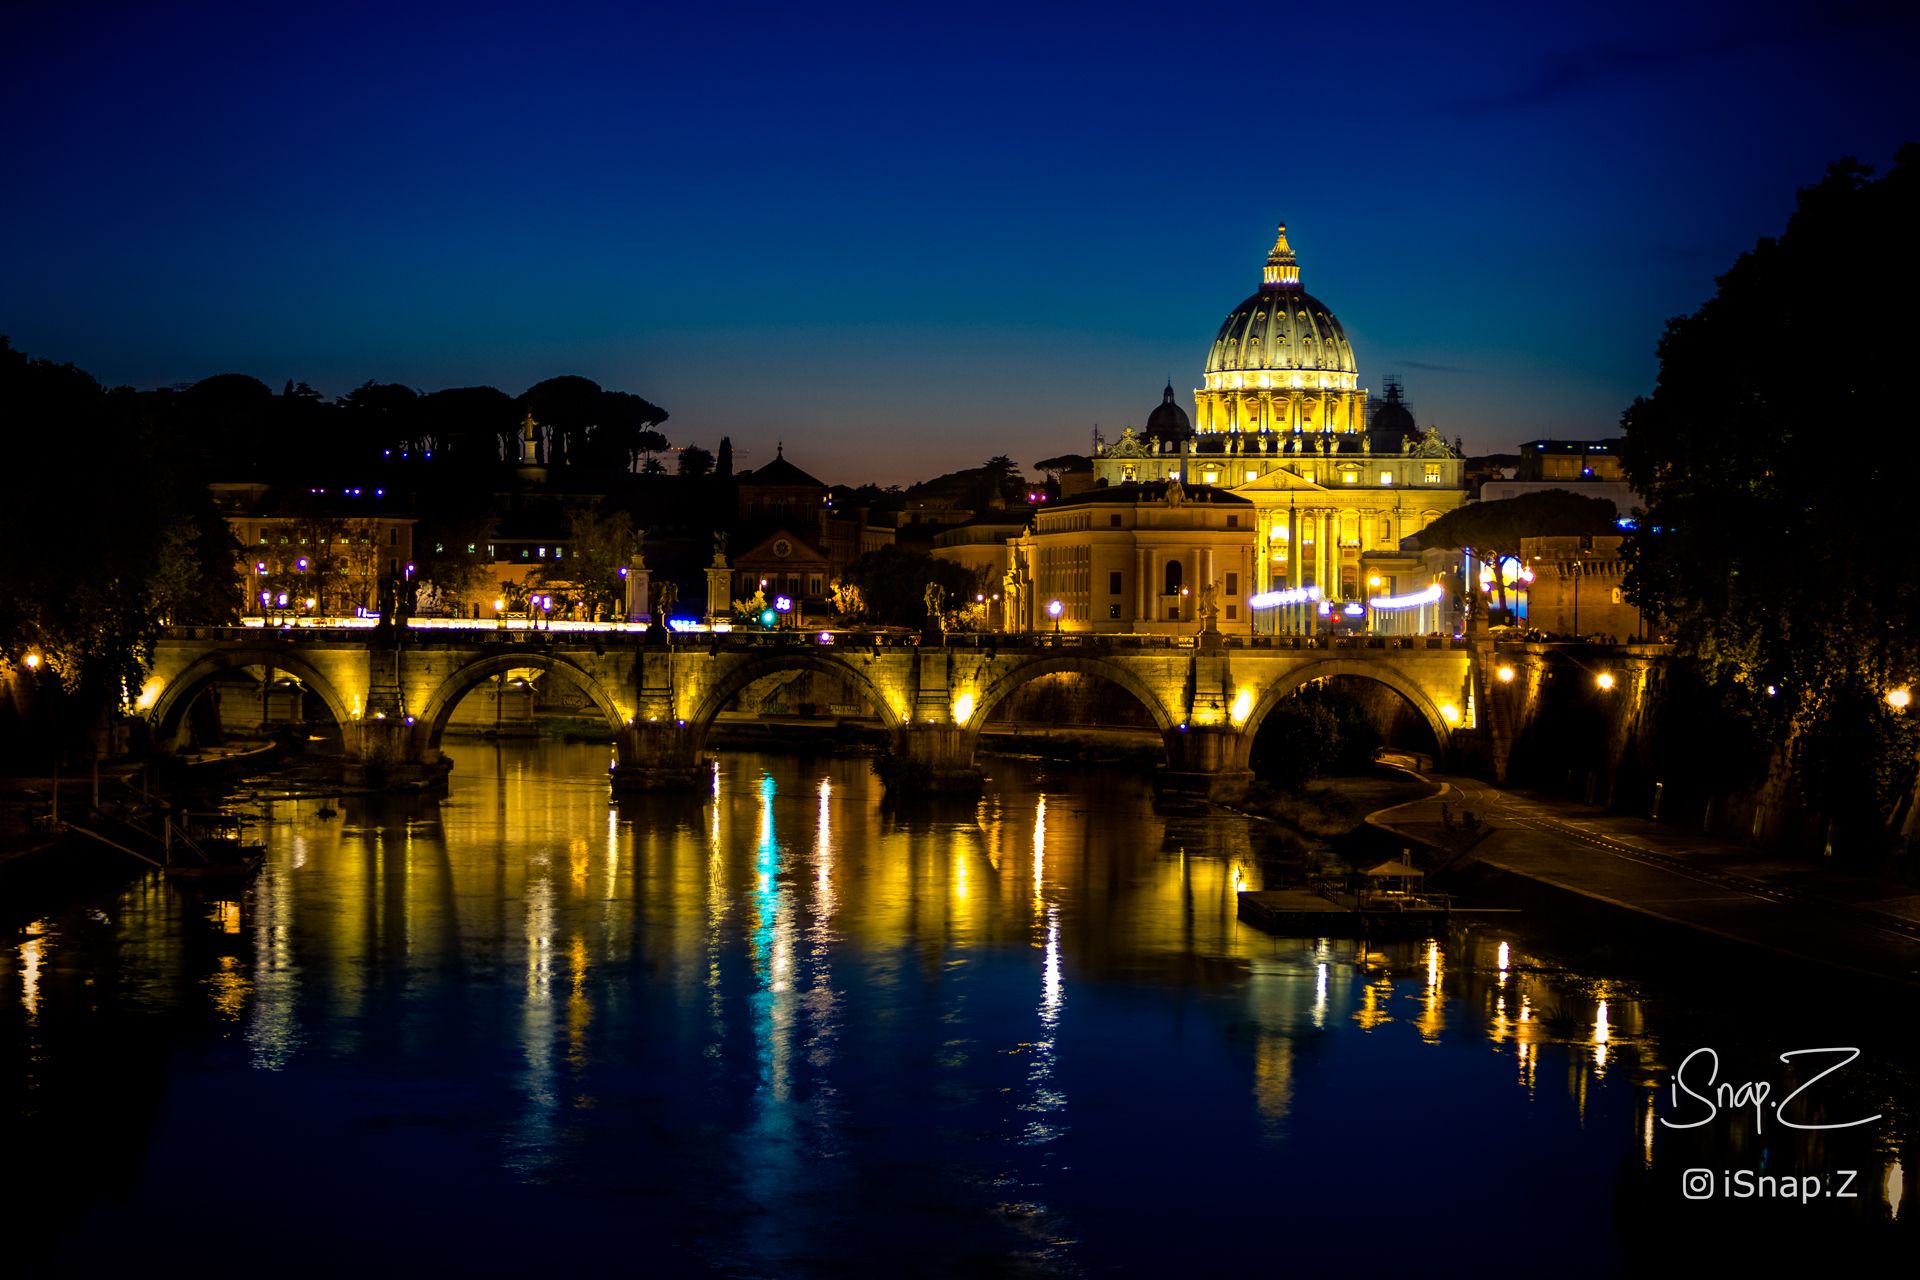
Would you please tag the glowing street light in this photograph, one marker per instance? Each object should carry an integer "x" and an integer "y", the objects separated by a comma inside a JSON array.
[
  {"x": 33, "y": 662},
  {"x": 1505, "y": 674},
  {"x": 1899, "y": 698},
  {"x": 1604, "y": 680},
  {"x": 1055, "y": 609}
]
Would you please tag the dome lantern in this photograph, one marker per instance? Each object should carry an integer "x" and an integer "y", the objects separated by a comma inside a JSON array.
[{"x": 1283, "y": 269}]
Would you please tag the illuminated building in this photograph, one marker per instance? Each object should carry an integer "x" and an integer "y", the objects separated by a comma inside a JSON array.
[
  {"x": 1578, "y": 587},
  {"x": 1282, "y": 422},
  {"x": 331, "y": 547},
  {"x": 793, "y": 539},
  {"x": 1133, "y": 558}
]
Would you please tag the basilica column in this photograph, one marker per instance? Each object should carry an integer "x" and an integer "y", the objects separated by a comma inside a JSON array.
[{"x": 1143, "y": 568}]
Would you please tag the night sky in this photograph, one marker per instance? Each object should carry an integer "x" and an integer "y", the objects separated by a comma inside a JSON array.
[{"x": 906, "y": 238}]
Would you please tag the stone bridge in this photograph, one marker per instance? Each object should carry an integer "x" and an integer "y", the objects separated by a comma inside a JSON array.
[{"x": 393, "y": 691}]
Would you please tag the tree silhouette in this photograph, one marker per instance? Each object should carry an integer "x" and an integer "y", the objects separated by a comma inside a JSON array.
[{"x": 1772, "y": 455}]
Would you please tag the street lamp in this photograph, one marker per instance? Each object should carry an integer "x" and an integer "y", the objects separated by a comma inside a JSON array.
[
  {"x": 499, "y": 618},
  {"x": 1899, "y": 698},
  {"x": 1604, "y": 680},
  {"x": 1055, "y": 609}
]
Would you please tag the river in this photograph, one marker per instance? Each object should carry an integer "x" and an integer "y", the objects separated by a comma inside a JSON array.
[{"x": 778, "y": 1030}]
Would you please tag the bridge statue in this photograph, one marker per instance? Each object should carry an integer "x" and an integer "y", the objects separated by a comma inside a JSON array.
[{"x": 1210, "y": 606}]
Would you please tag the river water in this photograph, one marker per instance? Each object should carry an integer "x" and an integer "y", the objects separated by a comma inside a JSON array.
[{"x": 778, "y": 1030}]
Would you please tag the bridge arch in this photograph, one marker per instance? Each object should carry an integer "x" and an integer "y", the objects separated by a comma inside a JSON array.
[
  {"x": 727, "y": 686},
  {"x": 1009, "y": 682},
  {"x": 1380, "y": 672},
  {"x": 446, "y": 695},
  {"x": 180, "y": 690}
]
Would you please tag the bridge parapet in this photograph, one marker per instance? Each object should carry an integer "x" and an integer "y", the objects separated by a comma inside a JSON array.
[{"x": 393, "y": 690}]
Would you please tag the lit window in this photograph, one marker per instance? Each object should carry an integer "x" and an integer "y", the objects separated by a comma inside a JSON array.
[
  {"x": 1433, "y": 473},
  {"x": 1252, "y": 475},
  {"x": 543, "y": 553},
  {"x": 1386, "y": 477}
]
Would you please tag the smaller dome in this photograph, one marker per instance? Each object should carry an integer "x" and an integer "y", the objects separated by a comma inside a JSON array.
[
  {"x": 1390, "y": 421},
  {"x": 1169, "y": 421}
]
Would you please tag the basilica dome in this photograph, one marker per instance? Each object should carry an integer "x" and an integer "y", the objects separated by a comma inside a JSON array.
[
  {"x": 1281, "y": 362},
  {"x": 1282, "y": 328}
]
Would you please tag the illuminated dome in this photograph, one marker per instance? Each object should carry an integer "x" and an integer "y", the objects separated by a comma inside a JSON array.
[{"x": 1281, "y": 362}]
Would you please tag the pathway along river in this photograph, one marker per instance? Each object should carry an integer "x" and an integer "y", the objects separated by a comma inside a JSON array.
[{"x": 777, "y": 1031}]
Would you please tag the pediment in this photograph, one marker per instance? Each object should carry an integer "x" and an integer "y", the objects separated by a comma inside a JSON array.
[
  {"x": 768, "y": 551},
  {"x": 1279, "y": 480}
]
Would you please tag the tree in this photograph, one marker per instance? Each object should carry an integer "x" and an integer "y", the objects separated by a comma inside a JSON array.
[
  {"x": 695, "y": 461},
  {"x": 378, "y": 416},
  {"x": 892, "y": 585},
  {"x": 1491, "y": 531},
  {"x": 598, "y": 547},
  {"x": 1064, "y": 462},
  {"x": 1772, "y": 554}
]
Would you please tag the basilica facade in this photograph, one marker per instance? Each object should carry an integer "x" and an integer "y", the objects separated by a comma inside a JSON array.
[{"x": 1282, "y": 425}]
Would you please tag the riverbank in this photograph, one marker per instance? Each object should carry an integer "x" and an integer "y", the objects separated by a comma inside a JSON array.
[{"x": 1562, "y": 856}]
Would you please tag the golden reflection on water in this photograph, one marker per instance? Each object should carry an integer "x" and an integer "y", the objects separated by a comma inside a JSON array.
[
  {"x": 769, "y": 910},
  {"x": 229, "y": 987},
  {"x": 32, "y": 953}
]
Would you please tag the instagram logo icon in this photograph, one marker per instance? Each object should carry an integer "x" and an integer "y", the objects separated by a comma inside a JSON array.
[{"x": 1697, "y": 1184}]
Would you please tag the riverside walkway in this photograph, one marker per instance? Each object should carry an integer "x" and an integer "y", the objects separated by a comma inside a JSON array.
[{"x": 1733, "y": 891}]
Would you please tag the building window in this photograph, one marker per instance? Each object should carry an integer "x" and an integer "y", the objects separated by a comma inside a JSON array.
[
  {"x": 1233, "y": 584},
  {"x": 1252, "y": 475},
  {"x": 1233, "y": 611},
  {"x": 1172, "y": 584},
  {"x": 1433, "y": 473},
  {"x": 1386, "y": 477},
  {"x": 1233, "y": 522},
  {"x": 1113, "y": 521},
  {"x": 813, "y": 585},
  {"x": 1113, "y": 611},
  {"x": 393, "y": 537},
  {"x": 1113, "y": 583}
]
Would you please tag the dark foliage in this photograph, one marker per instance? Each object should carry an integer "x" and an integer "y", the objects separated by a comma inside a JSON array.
[{"x": 1771, "y": 456}]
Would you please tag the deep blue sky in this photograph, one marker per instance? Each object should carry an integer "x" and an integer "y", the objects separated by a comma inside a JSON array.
[{"x": 903, "y": 239}]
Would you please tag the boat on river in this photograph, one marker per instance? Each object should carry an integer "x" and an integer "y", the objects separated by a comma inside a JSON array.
[{"x": 211, "y": 849}]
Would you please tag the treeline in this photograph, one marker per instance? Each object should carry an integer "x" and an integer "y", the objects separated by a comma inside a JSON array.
[
  {"x": 110, "y": 535},
  {"x": 239, "y": 426}
]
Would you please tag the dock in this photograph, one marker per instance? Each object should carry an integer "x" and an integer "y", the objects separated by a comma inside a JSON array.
[{"x": 1303, "y": 913}]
